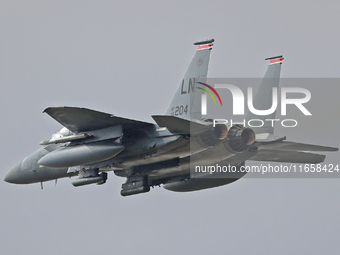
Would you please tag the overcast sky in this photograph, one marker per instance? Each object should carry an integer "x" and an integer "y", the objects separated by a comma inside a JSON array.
[{"x": 127, "y": 58}]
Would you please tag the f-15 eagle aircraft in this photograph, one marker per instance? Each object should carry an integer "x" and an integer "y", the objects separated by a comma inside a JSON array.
[{"x": 91, "y": 143}]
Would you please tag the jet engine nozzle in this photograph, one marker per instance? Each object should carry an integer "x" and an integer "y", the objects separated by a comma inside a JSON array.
[
  {"x": 213, "y": 136},
  {"x": 220, "y": 131},
  {"x": 240, "y": 137}
]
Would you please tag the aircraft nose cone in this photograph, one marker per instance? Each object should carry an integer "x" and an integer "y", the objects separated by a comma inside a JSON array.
[{"x": 13, "y": 175}]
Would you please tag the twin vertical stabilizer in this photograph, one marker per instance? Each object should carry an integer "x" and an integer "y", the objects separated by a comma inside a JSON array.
[
  {"x": 263, "y": 99},
  {"x": 182, "y": 104}
]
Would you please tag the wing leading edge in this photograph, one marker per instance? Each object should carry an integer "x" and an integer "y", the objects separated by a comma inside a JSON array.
[{"x": 81, "y": 119}]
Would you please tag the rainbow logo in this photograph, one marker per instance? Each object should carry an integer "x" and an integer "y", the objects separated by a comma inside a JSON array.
[{"x": 209, "y": 93}]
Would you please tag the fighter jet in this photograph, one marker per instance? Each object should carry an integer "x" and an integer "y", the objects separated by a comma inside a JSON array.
[{"x": 92, "y": 143}]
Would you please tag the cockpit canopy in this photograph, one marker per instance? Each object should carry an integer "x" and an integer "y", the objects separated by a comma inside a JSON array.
[{"x": 61, "y": 133}]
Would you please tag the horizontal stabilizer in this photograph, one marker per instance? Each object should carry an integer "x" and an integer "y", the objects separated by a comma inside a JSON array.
[
  {"x": 292, "y": 146},
  {"x": 81, "y": 119},
  {"x": 180, "y": 126},
  {"x": 288, "y": 157},
  {"x": 268, "y": 138}
]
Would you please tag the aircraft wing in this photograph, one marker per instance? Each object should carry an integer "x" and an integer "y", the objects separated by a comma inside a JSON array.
[{"x": 81, "y": 119}]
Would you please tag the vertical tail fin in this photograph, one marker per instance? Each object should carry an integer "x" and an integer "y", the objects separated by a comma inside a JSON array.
[
  {"x": 182, "y": 104},
  {"x": 264, "y": 95}
]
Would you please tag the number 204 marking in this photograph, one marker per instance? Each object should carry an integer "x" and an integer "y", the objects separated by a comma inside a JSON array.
[{"x": 180, "y": 110}]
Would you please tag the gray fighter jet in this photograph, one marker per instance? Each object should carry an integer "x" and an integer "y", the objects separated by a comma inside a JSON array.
[{"x": 92, "y": 143}]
